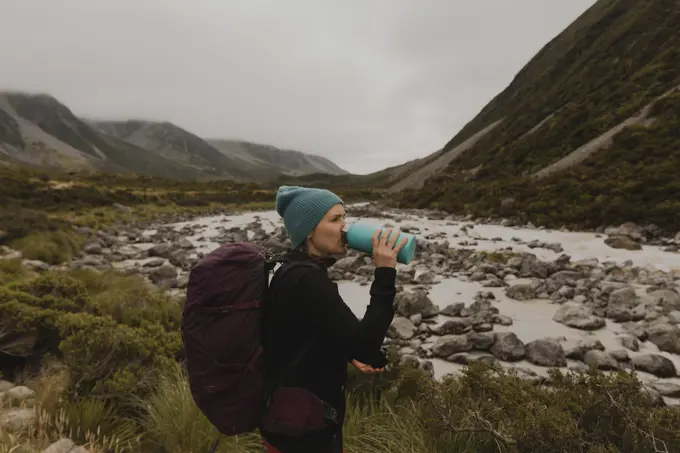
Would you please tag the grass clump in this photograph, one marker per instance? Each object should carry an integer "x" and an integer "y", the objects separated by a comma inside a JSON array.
[{"x": 51, "y": 247}]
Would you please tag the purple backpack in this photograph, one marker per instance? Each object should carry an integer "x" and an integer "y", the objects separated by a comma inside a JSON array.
[{"x": 221, "y": 335}]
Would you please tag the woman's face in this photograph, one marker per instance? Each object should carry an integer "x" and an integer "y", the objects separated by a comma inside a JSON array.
[{"x": 326, "y": 238}]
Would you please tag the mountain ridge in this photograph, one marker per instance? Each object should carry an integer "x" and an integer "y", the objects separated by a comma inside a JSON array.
[
  {"x": 615, "y": 60},
  {"x": 38, "y": 130}
]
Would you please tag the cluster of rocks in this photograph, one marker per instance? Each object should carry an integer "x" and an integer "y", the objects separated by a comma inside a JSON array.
[
  {"x": 630, "y": 236},
  {"x": 586, "y": 293},
  {"x": 17, "y": 412},
  {"x": 647, "y": 304},
  {"x": 469, "y": 328}
]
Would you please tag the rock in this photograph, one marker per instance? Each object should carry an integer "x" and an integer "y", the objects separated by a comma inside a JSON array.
[
  {"x": 164, "y": 276},
  {"x": 19, "y": 393},
  {"x": 5, "y": 385},
  {"x": 182, "y": 281},
  {"x": 667, "y": 299},
  {"x": 654, "y": 395},
  {"x": 578, "y": 316},
  {"x": 409, "y": 361},
  {"x": 503, "y": 320},
  {"x": 545, "y": 353},
  {"x": 483, "y": 327},
  {"x": 154, "y": 262},
  {"x": 579, "y": 350},
  {"x": 179, "y": 258},
  {"x": 451, "y": 344},
  {"x": 481, "y": 341},
  {"x": 629, "y": 342},
  {"x": 621, "y": 304},
  {"x": 674, "y": 317},
  {"x": 521, "y": 291},
  {"x": 664, "y": 335},
  {"x": 667, "y": 389},
  {"x": 467, "y": 359},
  {"x": 600, "y": 360},
  {"x": 555, "y": 247},
  {"x": 628, "y": 229},
  {"x": 161, "y": 250},
  {"x": 64, "y": 446},
  {"x": 533, "y": 267},
  {"x": 426, "y": 278},
  {"x": 455, "y": 326},
  {"x": 655, "y": 364},
  {"x": 620, "y": 355},
  {"x": 7, "y": 253},
  {"x": 184, "y": 243},
  {"x": 622, "y": 242},
  {"x": 411, "y": 303},
  {"x": 508, "y": 347},
  {"x": 36, "y": 265},
  {"x": 129, "y": 251},
  {"x": 480, "y": 308},
  {"x": 94, "y": 248},
  {"x": 515, "y": 262},
  {"x": 635, "y": 329},
  {"x": 14, "y": 420},
  {"x": 121, "y": 207},
  {"x": 401, "y": 328}
]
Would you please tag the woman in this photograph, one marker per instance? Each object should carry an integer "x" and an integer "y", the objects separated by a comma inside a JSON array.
[{"x": 306, "y": 318}]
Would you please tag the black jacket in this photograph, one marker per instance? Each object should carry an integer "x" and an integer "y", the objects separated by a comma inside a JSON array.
[{"x": 304, "y": 303}]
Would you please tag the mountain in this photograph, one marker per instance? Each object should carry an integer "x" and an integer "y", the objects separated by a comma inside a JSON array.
[
  {"x": 283, "y": 161},
  {"x": 175, "y": 144},
  {"x": 38, "y": 130},
  {"x": 235, "y": 159},
  {"x": 587, "y": 133}
]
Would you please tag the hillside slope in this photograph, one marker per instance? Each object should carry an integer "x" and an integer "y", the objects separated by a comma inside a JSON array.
[
  {"x": 603, "y": 89},
  {"x": 281, "y": 161},
  {"x": 40, "y": 131},
  {"x": 176, "y": 144}
]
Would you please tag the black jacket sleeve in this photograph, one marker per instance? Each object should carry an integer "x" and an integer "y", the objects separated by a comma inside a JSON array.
[{"x": 358, "y": 339}]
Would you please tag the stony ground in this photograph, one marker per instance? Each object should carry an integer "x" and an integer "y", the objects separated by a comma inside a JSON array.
[{"x": 588, "y": 294}]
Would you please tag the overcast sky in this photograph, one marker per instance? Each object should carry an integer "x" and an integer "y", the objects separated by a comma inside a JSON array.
[{"x": 366, "y": 83}]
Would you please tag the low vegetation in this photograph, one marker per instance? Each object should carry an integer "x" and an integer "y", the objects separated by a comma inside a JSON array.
[
  {"x": 633, "y": 180},
  {"x": 39, "y": 209},
  {"x": 103, "y": 352}
]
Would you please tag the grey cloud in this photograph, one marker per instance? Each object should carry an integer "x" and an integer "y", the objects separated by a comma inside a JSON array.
[{"x": 368, "y": 84}]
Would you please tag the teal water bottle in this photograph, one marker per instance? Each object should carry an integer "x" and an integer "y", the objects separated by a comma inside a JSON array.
[{"x": 359, "y": 236}]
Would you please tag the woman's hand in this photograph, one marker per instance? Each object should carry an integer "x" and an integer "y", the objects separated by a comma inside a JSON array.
[
  {"x": 385, "y": 253},
  {"x": 368, "y": 369}
]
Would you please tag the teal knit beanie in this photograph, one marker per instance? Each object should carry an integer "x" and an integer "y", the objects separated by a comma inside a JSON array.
[{"x": 302, "y": 209}]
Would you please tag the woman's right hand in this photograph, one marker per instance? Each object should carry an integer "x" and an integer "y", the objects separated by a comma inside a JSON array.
[{"x": 385, "y": 253}]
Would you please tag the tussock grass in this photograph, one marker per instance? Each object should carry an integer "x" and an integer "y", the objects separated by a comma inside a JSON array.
[
  {"x": 172, "y": 422},
  {"x": 52, "y": 247}
]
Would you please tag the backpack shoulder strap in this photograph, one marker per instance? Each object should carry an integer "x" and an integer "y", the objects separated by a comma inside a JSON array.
[{"x": 271, "y": 385}]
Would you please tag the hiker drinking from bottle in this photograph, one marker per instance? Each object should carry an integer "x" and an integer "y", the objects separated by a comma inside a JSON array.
[{"x": 309, "y": 334}]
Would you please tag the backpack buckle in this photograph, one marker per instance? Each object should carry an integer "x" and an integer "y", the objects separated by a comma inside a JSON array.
[
  {"x": 330, "y": 412},
  {"x": 268, "y": 255}
]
